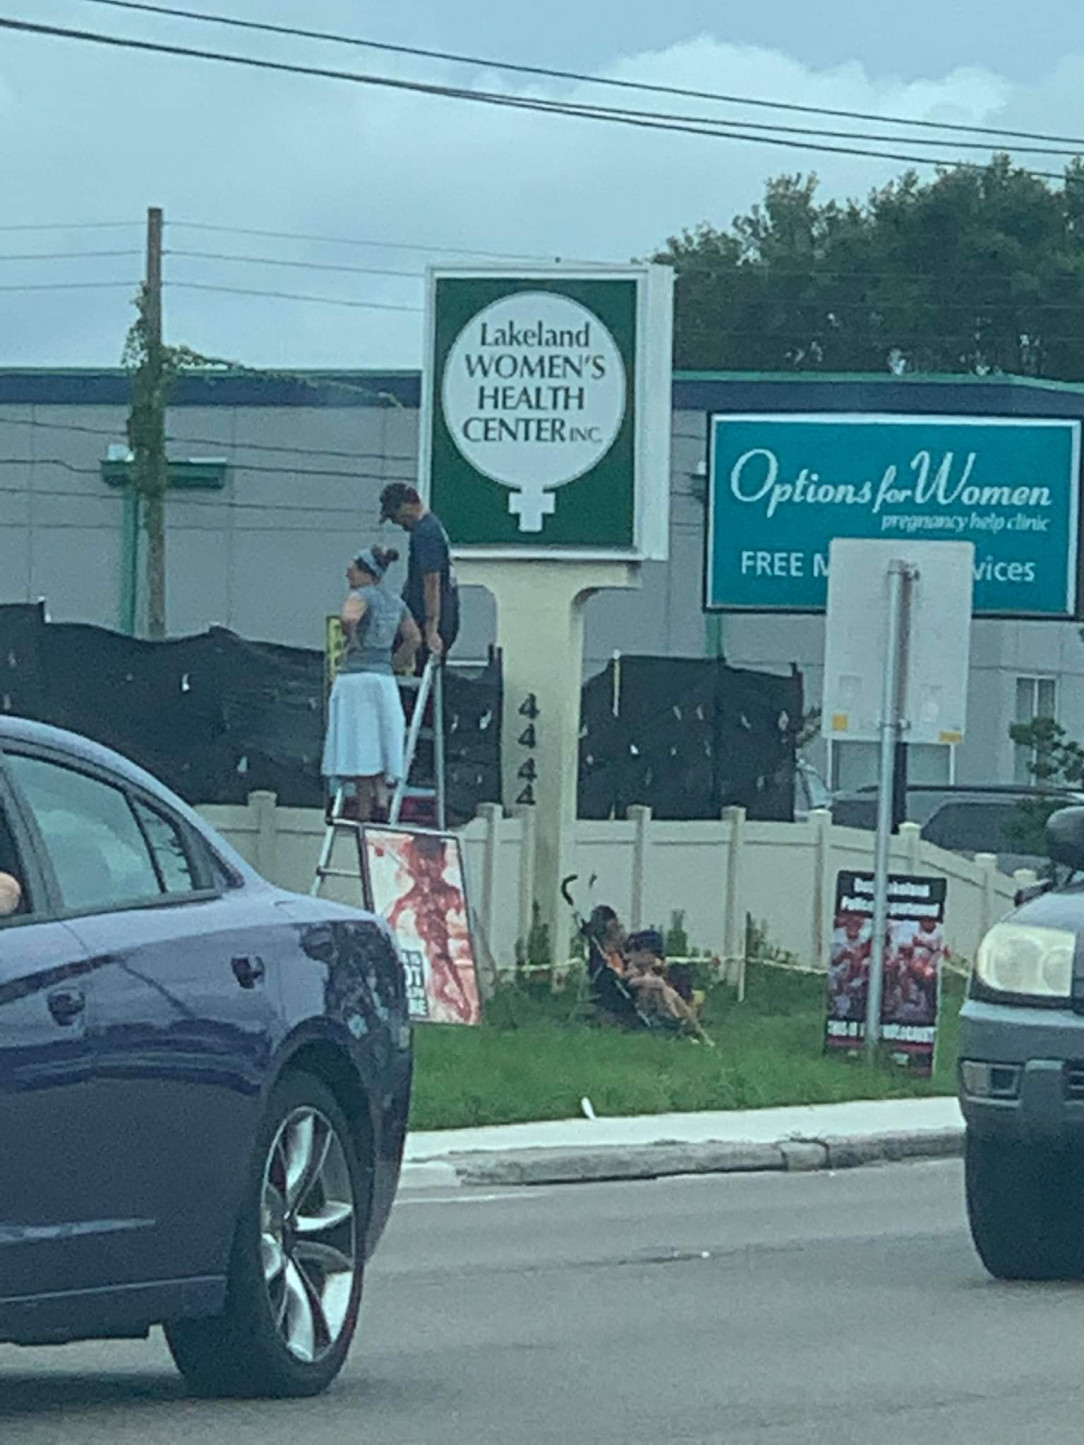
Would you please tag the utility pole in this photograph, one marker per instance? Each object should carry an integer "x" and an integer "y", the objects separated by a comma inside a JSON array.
[
  {"x": 901, "y": 578},
  {"x": 156, "y": 475}
]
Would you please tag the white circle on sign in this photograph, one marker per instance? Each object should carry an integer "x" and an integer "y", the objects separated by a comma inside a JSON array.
[{"x": 534, "y": 395}]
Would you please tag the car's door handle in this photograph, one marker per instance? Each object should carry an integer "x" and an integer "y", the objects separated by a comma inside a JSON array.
[
  {"x": 66, "y": 1005},
  {"x": 248, "y": 971}
]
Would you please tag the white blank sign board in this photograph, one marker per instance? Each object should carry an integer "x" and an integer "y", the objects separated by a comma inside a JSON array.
[{"x": 938, "y": 639}]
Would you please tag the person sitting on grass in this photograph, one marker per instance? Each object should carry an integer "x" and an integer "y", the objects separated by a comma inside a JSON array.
[{"x": 657, "y": 999}]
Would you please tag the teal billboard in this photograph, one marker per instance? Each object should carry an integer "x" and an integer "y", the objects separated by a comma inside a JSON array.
[{"x": 780, "y": 488}]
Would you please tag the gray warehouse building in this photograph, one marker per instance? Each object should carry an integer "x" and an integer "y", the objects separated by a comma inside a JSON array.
[{"x": 274, "y": 484}]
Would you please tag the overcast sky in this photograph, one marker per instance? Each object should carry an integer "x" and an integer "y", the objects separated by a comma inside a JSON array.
[{"x": 89, "y": 134}]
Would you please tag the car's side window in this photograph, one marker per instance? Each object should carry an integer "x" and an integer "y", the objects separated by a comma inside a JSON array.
[
  {"x": 222, "y": 878},
  {"x": 15, "y": 898},
  {"x": 169, "y": 849},
  {"x": 99, "y": 854}
]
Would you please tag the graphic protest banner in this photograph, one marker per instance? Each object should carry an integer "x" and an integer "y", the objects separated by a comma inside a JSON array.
[
  {"x": 782, "y": 488},
  {"x": 914, "y": 951},
  {"x": 415, "y": 882}
]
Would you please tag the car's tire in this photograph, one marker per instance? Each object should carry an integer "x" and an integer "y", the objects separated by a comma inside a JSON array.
[
  {"x": 296, "y": 1268},
  {"x": 1023, "y": 1210}
]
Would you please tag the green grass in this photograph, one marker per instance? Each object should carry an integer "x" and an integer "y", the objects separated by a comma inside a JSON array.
[{"x": 532, "y": 1059}]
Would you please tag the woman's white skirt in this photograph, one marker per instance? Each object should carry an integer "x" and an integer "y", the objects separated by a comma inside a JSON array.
[{"x": 366, "y": 733}]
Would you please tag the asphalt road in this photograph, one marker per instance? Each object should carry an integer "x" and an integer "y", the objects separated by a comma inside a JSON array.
[{"x": 780, "y": 1310}]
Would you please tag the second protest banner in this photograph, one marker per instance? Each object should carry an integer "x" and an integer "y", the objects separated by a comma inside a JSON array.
[{"x": 913, "y": 955}]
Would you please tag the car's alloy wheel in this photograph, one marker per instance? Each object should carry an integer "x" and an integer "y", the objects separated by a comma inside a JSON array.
[
  {"x": 295, "y": 1278},
  {"x": 308, "y": 1234}
]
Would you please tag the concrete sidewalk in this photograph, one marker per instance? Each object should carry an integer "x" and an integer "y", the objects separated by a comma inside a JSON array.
[{"x": 806, "y": 1137}]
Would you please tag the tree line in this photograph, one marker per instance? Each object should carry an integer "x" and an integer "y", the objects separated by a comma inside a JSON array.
[{"x": 979, "y": 271}]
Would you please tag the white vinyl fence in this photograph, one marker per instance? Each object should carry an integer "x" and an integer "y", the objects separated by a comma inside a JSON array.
[{"x": 781, "y": 875}]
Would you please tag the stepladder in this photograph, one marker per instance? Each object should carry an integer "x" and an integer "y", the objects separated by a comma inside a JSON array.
[{"x": 418, "y": 797}]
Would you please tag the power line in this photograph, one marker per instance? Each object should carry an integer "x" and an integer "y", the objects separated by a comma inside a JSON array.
[
  {"x": 69, "y": 226},
  {"x": 291, "y": 296},
  {"x": 296, "y": 265},
  {"x": 72, "y": 286},
  {"x": 48, "y": 462},
  {"x": 579, "y": 77},
  {"x": 846, "y": 304},
  {"x": 640, "y": 121},
  {"x": 814, "y": 271},
  {"x": 375, "y": 245},
  {"x": 741, "y": 271},
  {"x": 293, "y": 31},
  {"x": 677, "y": 124},
  {"x": 321, "y": 472},
  {"x": 65, "y": 255},
  {"x": 774, "y": 134},
  {"x": 1020, "y": 304},
  {"x": 1029, "y": 303},
  {"x": 823, "y": 334},
  {"x": 315, "y": 380},
  {"x": 113, "y": 433},
  {"x": 218, "y": 503},
  {"x": 218, "y": 369},
  {"x": 842, "y": 305}
]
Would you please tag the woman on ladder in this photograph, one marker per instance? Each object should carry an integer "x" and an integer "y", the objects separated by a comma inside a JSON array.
[{"x": 366, "y": 733}]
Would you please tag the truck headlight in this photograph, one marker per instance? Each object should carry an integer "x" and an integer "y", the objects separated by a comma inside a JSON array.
[{"x": 1037, "y": 962}]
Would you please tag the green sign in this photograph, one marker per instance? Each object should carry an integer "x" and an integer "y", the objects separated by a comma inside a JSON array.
[{"x": 538, "y": 387}]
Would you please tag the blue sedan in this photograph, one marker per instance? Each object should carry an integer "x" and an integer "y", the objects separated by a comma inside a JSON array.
[{"x": 204, "y": 1082}]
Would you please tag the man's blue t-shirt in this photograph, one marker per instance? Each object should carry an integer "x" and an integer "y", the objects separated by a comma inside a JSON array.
[{"x": 430, "y": 552}]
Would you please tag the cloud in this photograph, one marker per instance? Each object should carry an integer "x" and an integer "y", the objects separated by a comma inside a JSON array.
[{"x": 90, "y": 134}]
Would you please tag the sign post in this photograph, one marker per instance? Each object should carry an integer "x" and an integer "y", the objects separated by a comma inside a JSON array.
[
  {"x": 545, "y": 451},
  {"x": 899, "y": 617},
  {"x": 900, "y": 577}
]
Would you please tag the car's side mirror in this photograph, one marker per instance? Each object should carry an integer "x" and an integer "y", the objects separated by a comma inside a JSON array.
[
  {"x": 1036, "y": 890},
  {"x": 1065, "y": 838}
]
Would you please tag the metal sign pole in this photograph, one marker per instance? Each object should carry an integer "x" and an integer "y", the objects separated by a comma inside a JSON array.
[{"x": 900, "y": 576}]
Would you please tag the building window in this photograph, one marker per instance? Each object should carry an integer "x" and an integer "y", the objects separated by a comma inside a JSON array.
[
  {"x": 1036, "y": 697},
  {"x": 854, "y": 765}
]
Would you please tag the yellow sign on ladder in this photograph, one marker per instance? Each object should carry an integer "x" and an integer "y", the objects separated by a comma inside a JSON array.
[{"x": 334, "y": 647}]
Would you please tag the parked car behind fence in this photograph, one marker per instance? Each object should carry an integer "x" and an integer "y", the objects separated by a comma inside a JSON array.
[{"x": 1007, "y": 821}]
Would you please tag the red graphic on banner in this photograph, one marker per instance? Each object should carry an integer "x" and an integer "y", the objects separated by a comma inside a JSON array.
[{"x": 417, "y": 885}]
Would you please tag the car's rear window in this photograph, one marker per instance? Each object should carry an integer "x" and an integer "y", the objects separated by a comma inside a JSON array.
[
  {"x": 169, "y": 848},
  {"x": 977, "y": 827}
]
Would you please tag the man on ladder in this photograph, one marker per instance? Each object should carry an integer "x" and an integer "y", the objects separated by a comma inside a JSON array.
[
  {"x": 431, "y": 594},
  {"x": 431, "y": 591}
]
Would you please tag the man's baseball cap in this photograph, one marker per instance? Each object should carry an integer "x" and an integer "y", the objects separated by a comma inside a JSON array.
[{"x": 394, "y": 496}]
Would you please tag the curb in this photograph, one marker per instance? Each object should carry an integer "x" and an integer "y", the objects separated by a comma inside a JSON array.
[
  {"x": 667, "y": 1160},
  {"x": 428, "y": 1174}
]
